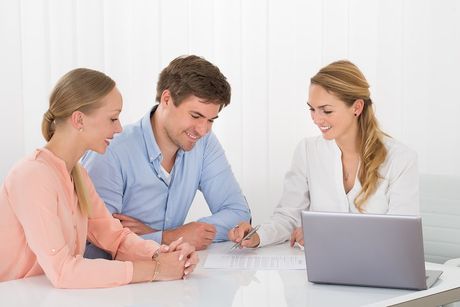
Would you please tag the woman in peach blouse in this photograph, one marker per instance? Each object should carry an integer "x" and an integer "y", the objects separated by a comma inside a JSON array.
[{"x": 49, "y": 207}]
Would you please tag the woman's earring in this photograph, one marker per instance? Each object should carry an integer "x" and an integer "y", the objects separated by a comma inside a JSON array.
[
  {"x": 356, "y": 114},
  {"x": 81, "y": 129}
]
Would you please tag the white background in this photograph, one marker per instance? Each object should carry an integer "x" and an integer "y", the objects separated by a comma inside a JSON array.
[{"x": 409, "y": 50}]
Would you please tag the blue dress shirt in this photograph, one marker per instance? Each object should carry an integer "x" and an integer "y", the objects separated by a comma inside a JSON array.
[{"x": 128, "y": 177}]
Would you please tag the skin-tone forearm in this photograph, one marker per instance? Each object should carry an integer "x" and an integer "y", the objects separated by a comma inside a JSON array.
[
  {"x": 143, "y": 271},
  {"x": 198, "y": 234}
]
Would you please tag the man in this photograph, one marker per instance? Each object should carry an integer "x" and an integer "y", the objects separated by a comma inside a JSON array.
[{"x": 150, "y": 173}]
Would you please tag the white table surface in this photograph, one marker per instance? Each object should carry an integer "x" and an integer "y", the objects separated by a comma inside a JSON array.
[{"x": 217, "y": 287}]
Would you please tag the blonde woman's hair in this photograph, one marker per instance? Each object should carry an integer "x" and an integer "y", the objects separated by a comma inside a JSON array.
[
  {"x": 344, "y": 80},
  {"x": 81, "y": 90}
]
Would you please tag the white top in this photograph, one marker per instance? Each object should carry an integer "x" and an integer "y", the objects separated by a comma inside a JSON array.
[
  {"x": 315, "y": 182},
  {"x": 167, "y": 176}
]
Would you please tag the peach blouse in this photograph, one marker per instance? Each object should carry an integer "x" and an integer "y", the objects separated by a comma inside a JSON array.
[{"x": 43, "y": 231}]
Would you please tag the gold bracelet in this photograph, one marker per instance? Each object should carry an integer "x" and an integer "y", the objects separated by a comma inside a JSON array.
[
  {"x": 157, "y": 270},
  {"x": 156, "y": 254}
]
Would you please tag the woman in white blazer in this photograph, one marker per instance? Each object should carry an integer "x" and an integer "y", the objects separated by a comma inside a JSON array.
[{"x": 352, "y": 167}]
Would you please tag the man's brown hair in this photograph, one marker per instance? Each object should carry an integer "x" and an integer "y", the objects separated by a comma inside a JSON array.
[{"x": 193, "y": 75}]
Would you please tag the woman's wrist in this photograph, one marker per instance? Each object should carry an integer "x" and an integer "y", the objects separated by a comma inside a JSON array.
[{"x": 156, "y": 270}]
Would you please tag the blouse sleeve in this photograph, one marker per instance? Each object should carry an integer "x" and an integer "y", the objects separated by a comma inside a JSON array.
[
  {"x": 403, "y": 189},
  {"x": 33, "y": 194},
  {"x": 107, "y": 233},
  {"x": 294, "y": 199}
]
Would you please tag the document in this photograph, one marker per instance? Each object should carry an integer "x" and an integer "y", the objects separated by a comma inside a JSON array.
[{"x": 255, "y": 262}]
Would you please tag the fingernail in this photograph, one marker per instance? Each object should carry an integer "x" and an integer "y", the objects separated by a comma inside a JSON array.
[
  {"x": 166, "y": 247},
  {"x": 180, "y": 238},
  {"x": 181, "y": 257},
  {"x": 187, "y": 264},
  {"x": 185, "y": 272}
]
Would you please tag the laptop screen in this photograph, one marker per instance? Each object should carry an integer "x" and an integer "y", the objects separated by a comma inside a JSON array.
[{"x": 364, "y": 249}]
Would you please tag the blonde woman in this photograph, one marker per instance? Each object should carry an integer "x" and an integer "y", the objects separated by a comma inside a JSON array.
[
  {"x": 352, "y": 167},
  {"x": 49, "y": 207}
]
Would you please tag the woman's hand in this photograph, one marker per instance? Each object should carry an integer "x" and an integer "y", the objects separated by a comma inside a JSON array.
[
  {"x": 175, "y": 261},
  {"x": 297, "y": 236},
  {"x": 187, "y": 252},
  {"x": 237, "y": 233}
]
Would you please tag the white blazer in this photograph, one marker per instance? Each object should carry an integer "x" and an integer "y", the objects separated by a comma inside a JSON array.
[{"x": 315, "y": 182}]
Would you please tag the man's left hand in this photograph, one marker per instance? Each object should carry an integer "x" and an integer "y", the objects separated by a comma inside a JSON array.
[{"x": 134, "y": 225}]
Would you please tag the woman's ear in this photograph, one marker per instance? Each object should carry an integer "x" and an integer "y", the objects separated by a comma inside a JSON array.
[
  {"x": 76, "y": 120},
  {"x": 358, "y": 107}
]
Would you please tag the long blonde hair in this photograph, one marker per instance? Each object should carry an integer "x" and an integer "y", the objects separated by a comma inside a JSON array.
[
  {"x": 81, "y": 90},
  {"x": 344, "y": 80}
]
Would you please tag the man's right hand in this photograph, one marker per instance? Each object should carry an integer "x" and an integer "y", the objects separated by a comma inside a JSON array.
[
  {"x": 198, "y": 234},
  {"x": 237, "y": 233}
]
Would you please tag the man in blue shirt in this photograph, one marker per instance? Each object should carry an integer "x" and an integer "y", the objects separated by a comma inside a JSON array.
[{"x": 150, "y": 173}]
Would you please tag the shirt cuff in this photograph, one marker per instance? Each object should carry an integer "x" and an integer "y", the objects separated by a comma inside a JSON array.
[{"x": 154, "y": 236}]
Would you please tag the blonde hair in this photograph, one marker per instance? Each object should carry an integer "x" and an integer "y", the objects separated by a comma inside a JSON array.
[
  {"x": 344, "y": 80},
  {"x": 81, "y": 90}
]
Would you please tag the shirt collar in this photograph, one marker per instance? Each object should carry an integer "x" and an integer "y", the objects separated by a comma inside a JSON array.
[
  {"x": 151, "y": 144},
  {"x": 153, "y": 151},
  {"x": 57, "y": 163}
]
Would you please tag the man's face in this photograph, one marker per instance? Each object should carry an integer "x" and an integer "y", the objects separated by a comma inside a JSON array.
[{"x": 185, "y": 124}]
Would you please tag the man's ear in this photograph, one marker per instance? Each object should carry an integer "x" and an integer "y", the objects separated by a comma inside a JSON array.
[{"x": 166, "y": 98}]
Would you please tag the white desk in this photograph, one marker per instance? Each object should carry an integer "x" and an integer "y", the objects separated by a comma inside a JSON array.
[{"x": 217, "y": 287}]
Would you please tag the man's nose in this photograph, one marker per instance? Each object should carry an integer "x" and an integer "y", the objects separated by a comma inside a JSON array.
[{"x": 203, "y": 127}]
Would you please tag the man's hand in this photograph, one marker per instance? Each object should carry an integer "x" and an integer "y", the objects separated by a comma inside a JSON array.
[
  {"x": 134, "y": 225},
  {"x": 198, "y": 234}
]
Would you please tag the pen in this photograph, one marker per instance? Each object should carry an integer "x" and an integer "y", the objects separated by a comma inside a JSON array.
[{"x": 246, "y": 237}]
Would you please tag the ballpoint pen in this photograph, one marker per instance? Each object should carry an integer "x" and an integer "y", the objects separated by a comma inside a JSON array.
[{"x": 246, "y": 237}]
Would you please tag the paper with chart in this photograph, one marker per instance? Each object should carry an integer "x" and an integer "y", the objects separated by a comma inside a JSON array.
[{"x": 255, "y": 262}]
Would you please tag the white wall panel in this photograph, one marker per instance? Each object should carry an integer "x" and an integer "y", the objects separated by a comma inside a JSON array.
[
  {"x": 201, "y": 28},
  {"x": 36, "y": 84},
  {"x": 254, "y": 97},
  {"x": 416, "y": 107},
  {"x": 145, "y": 55},
  {"x": 228, "y": 55},
  {"x": 268, "y": 49},
  {"x": 118, "y": 50},
  {"x": 440, "y": 129},
  {"x": 89, "y": 28},
  {"x": 387, "y": 89},
  {"x": 174, "y": 37},
  {"x": 11, "y": 103},
  {"x": 335, "y": 26},
  {"x": 292, "y": 46},
  {"x": 62, "y": 37}
]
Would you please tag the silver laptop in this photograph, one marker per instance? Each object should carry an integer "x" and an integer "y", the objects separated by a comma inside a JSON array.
[{"x": 366, "y": 250}]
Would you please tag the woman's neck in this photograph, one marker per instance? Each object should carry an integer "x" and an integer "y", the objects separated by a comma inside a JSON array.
[
  {"x": 65, "y": 148},
  {"x": 349, "y": 144}
]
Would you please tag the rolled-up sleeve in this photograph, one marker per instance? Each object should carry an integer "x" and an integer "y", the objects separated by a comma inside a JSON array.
[
  {"x": 221, "y": 191},
  {"x": 39, "y": 210},
  {"x": 108, "y": 234}
]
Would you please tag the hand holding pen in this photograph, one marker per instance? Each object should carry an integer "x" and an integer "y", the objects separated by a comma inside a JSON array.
[{"x": 244, "y": 235}]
